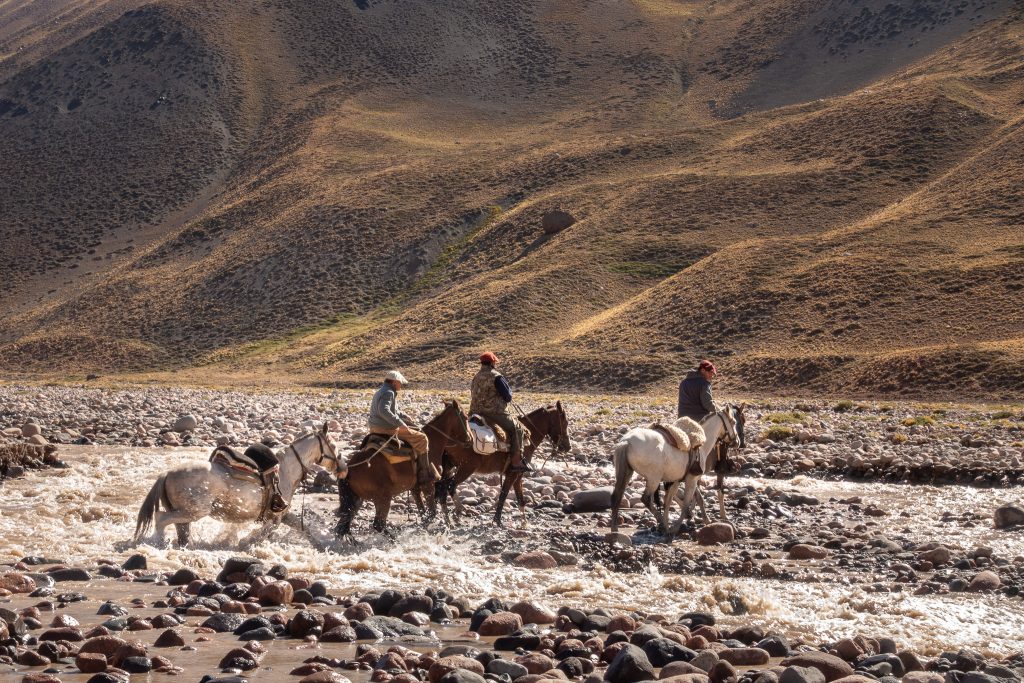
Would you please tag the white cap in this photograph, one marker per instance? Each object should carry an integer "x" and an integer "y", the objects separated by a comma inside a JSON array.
[{"x": 396, "y": 376}]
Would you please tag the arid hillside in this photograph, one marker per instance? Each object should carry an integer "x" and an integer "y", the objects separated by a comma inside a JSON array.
[{"x": 821, "y": 196}]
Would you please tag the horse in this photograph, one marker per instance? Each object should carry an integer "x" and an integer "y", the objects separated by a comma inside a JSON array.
[
  {"x": 191, "y": 492},
  {"x": 646, "y": 451},
  {"x": 368, "y": 475},
  {"x": 461, "y": 461}
]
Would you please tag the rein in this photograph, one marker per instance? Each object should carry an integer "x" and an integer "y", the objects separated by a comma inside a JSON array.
[{"x": 324, "y": 452}]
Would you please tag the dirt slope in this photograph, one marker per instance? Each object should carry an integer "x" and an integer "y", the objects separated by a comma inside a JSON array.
[{"x": 821, "y": 196}]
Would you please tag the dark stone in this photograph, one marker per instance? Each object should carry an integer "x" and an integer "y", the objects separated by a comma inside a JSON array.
[
  {"x": 183, "y": 577},
  {"x": 252, "y": 623},
  {"x": 302, "y": 596},
  {"x": 385, "y": 601},
  {"x": 110, "y": 571},
  {"x": 210, "y": 589},
  {"x": 112, "y": 609},
  {"x": 70, "y": 574},
  {"x": 461, "y": 676},
  {"x": 134, "y": 562},
  {"x": 392, "y": 627},
  {"x": 222, "y": 623},
  {"x": 241, "y": 565},
  {"x": 894, "y": 662},
  {"x": 644, "y": 634},
  {"x": 526, "y": 641},
  {"x": 262, "y": 633},
  {"x": 694, "y": 619},
  {"x": 411, "y": 603},
  {"x": 630, "y": 666},
  {"x": 137, "y": 665},
  {"x": 169, "y": 638},
  {"x": 306, "y": 622},
  {"x": 366, "y": 631},
  {"x": 801, "y": 674},
  {"x": 661, "y": 651},
  {"x": 776, "y": 646},
  {"x": 478, "y": 618},
  {"x": 339, "y": 634}
]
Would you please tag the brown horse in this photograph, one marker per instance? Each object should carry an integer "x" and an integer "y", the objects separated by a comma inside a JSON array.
[
  {"x": 461, "y": 461},
  {"x": 369, "y": 475}
]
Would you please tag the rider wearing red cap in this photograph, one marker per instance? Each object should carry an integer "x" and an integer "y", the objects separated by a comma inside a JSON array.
[
  {"x": 695, "y": 392},
  {"x": 490, "y": 398}
]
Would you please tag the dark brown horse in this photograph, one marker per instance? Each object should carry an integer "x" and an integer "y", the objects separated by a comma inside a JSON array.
[
  {"x": 460, "y": 461},
  {"x": 369, "y": 475}
]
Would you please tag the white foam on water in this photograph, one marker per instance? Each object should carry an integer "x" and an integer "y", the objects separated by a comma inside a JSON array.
[{"x": 89, "y": 511}]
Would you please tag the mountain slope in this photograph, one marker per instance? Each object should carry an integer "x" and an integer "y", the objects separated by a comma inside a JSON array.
[{"x": 811, "y": 193}]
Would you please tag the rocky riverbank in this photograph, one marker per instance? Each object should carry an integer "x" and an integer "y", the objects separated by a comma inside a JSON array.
[{"x": 111, "y": 619}]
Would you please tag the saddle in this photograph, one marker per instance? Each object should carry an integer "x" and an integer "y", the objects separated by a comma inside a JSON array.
[
  {"x": 395, "y": 452},
  {"x": 239, "y": 465},
  {"x": 489, "y": 438},
  {"x": 679, "y": 440}
]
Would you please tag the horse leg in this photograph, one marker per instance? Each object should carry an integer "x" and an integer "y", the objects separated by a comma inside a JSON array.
[
  {"x": 183, "y": 529},
  {"x": 348, "y": 507},
  {"x": 670, "y": 496},
  {"x": 382, "y": 507},
  {"x": 505, "y": 486},
  {"x": 721, "y": 497},
  {"x": 690, "y": 491},
  {"x": 179, "y": 519},
  {"x": 648, "y": 500},
  {"x": 521, "y": 498}
]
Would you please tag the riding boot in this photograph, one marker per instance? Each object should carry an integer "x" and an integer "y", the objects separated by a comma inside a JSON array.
[
  {"x": 518, "y": 464},
  {"x": 426, "y": 475},
  {"x": 273, "y": 482}
]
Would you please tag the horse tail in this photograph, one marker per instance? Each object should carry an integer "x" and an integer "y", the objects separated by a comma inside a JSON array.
[
  {"x": 620, "y": 458},
  {"x": 150, "y": 506}
]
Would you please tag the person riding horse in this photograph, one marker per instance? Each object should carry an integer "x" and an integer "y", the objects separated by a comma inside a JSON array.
[
  {"x": 490, "y": 396},
  {"x": 695, "y": 401},
  {"x": 387, "y": 419}
]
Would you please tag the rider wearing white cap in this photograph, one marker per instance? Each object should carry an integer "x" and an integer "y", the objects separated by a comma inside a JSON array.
[{"x": 387, "y": 418}]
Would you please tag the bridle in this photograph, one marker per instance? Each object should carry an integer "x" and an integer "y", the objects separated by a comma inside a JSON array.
[
  {"x": 463, "y": 421},
  {"x": 326, "y": 449}
]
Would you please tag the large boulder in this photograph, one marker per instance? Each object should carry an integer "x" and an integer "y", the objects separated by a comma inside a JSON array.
[
  {"x": 592, "y": 500},
  {"x": 801, "y": 674},
  {"x": 716, "y": 533},
  {"x": 501, "y": 624},
  {"x": 536, "y": 559},
  {"x": 629, "y": 666},
  {"x": 1007, "y": 516},
  {"x": 984, "y": 581},
  {"x": 533, "y": 613},
  {"x": 185, "y": 423},
  {"x": 556, "y": 221}
]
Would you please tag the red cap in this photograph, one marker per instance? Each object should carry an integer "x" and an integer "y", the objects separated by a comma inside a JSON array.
[
  {"x": 489, "y": 358},
  {"x": 707, "y": 365}
]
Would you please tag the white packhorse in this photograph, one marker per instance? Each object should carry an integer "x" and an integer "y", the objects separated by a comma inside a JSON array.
[
  {"x": 191, "y": 492},
  {"x": 646, "y": 452}
]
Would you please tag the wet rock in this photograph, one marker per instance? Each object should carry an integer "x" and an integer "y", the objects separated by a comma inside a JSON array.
[
  {"x": 239, "y": 658},
  {"x": 391, "y": 627},
  {"x": 533, "y": 612},
  {"x": 745, "y": 656},
  {"x": 411, "y": 603},
  {"x": 169, "y": 638},
  {"x": 306, "y": 622},
  {"x": 105, "y": 645},
  {"x": 723, "y": 672},
  {"x": 500, "y": 624},
  {"x": 91, "y": 662},
  {"x": 801, "y": 674},
  {"x": 70, "y": 574},
  {"x": 359, "y": 611},
  {"x": 713, "y": 534},
  {"x": 461, "y": 676},
  {"x": 661, "y": 651},
  {"x": 849, "y": 649},
  {"x": 535, "y": 560},
  {"x": 673, "y": 669},
  {"x": 259, "y": 634},
  {"x": 984, "y": 581},
  {"x": 39, "y": 677},
  {"x": 525, "y": 641},
  {"x": 276, "y": 593},
  {"x": 326, "y": 676},
  {"x": 32, "y": 658},
  {"x": 133, "y": 648},
  {"x": 629, "y": 666},
  {"x": 17, "y": 583},
  {"x": 134, "y": 562},
  {"x": 444, "y": 665},
  {"x": 686, "y": 678},
  {"x": 247, "y": 568},
  {"x": 223, "y": 623},
  {"x": 183, "y": 577},
  {"x": 185, "y": 423},
  {"x": 1007, "y": 516},
  {"x": 536, "y": 663},
  {"x": 339, "y": 634},
  {"x": 831, "y": 666},
  {"x": 705, "y": 660},
  {"x": 502, "y": 666},
  {"x": 137, "y": 665}
]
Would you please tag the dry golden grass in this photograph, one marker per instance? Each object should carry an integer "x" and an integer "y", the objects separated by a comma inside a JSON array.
[{"x": 820, "y": 199}]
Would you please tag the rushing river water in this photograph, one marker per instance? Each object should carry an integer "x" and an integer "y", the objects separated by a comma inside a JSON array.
[{"x": 88, "y": 512}]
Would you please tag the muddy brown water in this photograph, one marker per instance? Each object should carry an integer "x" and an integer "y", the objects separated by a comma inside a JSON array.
[{"x": 88, "y": 512}]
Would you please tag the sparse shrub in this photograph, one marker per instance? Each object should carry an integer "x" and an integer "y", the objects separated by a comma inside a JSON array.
[
  {"x": 919, "y": 421},
  {"x": 1002, "y": 415},
  {"x": 779, "y": 432},
  {"x": 792, "y": 417},
  {"x": 898, "y": 437},
  {"x": 843, "y": 406},
  {"x": 603, "y": 411},
  {"x": 885, "y": 408}
]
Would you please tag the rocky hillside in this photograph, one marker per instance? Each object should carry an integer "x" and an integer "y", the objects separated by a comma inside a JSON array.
[{"x": 821, "y": 196}]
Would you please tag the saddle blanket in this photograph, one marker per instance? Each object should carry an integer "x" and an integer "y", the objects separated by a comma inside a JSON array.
[
  {"x": 487, "y": 438},
  {"x": 675, "y": 436},
  {"x": 394, "y": 452},
  {"x": 239, "y": 465}
]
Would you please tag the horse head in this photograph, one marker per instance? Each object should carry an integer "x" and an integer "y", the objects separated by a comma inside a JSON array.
[
  {"x": 560, "y": 433},
  {"x": 453, "y": 423},
  {"x": 734, "y": 420}
]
